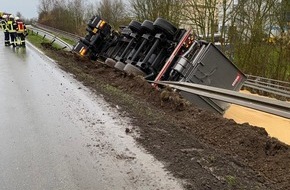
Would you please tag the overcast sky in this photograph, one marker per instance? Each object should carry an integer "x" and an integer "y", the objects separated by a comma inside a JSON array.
[{"x": 28, "y": 8}]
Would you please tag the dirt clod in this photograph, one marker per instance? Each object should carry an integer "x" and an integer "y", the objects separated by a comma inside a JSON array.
[{"x": 127, "y": 130}]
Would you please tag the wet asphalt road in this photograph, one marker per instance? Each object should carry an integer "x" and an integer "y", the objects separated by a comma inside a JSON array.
[{"x": 56, "y": 134}]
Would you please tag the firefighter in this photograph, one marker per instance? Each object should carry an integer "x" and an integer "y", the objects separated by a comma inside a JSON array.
[
  {"x": 12, "y": 26},
  {"x": 20, "y": 32},
  {"x": 4, "y": 27}
]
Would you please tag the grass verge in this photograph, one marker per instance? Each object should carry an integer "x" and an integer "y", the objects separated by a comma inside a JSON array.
[{"x": 37, "y": 40}]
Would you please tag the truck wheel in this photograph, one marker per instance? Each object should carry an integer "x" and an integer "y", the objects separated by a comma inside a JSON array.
[
  {"x": 120, "y": 65},
  {"x": 131, "y": 69},
  {"x": 110, "y": 62},
  {"x": 135, "y": 26},
  {"x": 147, "y": 26},
  {"x": 85, "y": 41},
  {"x": 88, "y": 37},
  {"x": 165, "y": 26}
]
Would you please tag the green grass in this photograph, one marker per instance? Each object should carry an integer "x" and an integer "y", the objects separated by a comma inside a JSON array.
[
  {"x": 36, "y": 40},
  {"x": 231, "y": 180},
  {"x": 69, "y": 41}
]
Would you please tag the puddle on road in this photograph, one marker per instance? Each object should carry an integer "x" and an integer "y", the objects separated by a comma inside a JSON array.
[{"x": 276, "y": 126}]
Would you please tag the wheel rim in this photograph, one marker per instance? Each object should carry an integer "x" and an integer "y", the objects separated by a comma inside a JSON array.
[
  {"x": 131, "y": 69},
  {"x": 120, "y": 65},
  {"x": 110, "y": 62}
]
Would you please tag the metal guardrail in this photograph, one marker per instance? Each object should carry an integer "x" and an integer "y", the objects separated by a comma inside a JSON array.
[
  {"x": 53, "y": 37},
  {"x": 269, "y": 89},
  {"x": 68, "y": 35},
  {"x": 272, "y": 106},
  {"x": 277, "y": 86},
  {"x": 270, "y": 86},
  {"x": 269, "y": 81}
]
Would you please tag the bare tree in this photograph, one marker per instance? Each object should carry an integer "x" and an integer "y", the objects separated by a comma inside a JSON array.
[
  {"x": 91, "y": 10},
  {"x": 281, "y": 36},
  {"x": 151, "y": 9},
  {"x": 202, "y": 16},
  {"x": 114, "y": 12},
  {"x": 76, "y": 9},
  {"x": 227, "y": 15},
  {"x": 66, "y": 15},
  {"x": 44, "y": 7},
  {"x": 255, "y": 22}
]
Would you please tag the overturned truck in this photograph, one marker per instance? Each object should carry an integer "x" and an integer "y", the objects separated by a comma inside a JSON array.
[{"x": 157, "y": 50}]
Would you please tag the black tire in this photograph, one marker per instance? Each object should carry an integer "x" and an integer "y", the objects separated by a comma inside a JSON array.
[
  {"x": 120, "y": 65},
  {"x": 96, "y": 39},
  {"x": 126, "y": 31},
  {"x": 89, "y": 30},
  {"x": 165, "y": 26},
  {"x": 131, "y": 69},
  {"x": 135, "y": 26},
  {"x": 85, "y": 41},
  {"x": 110, "y": 62},
  {"x": 147, "y": 26},
  {"x": 88, "y": 37}
]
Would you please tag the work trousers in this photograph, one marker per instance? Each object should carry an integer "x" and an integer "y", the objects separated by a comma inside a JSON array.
[
  {"x": 13, "y": 39},
  {"x": 21, "y": 39},
  {"x": 6, "y": 38}
]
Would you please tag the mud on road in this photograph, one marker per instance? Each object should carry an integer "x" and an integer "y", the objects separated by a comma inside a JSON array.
[{"x": 203, "y": 149}]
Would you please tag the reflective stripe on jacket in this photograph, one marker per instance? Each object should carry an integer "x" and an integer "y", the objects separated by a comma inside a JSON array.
[
  {"x": 4, "y": 25},
  {"x": 11, "y": 26}
]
